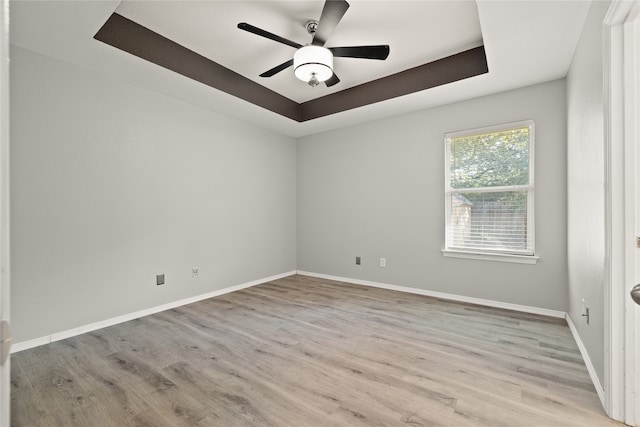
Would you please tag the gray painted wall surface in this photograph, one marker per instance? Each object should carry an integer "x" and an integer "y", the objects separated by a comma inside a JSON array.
[
  {"x": 112, "y": 184},
  {"x": 586, "y": 186},
  {"x": 377, "y": 190}
]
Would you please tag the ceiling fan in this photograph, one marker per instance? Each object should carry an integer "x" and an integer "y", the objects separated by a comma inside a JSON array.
[{"x": 313, "y": 63}]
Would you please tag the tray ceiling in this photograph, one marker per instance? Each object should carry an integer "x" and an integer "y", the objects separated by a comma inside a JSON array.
[
  {"x": 433, "y": 30},
  {"x": 526, "y": 42}
]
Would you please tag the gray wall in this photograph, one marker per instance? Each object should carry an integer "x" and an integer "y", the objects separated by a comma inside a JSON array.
[
  {"x": 112, "y": 184},
  {"x": 586, "y": 186},
  {"x": 376, "y": 190}
]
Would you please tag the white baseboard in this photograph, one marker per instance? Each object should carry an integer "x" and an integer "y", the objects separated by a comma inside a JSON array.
[
  {"x": 24, "y": 345},
  {"x": 587, "y": 360},
  {"x": 443, "y": 295}
]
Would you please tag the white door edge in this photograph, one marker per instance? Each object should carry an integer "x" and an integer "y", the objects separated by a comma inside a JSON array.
[
  {"x": 621, "y": 111},
  {"x": 5, "y": 369}
]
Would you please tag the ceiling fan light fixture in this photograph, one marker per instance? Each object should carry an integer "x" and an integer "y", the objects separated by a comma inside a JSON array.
[{"x": 313, "y": 64}]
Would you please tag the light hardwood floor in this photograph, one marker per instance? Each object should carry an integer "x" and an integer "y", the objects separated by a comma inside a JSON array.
[{"x": 302, "y": 351}]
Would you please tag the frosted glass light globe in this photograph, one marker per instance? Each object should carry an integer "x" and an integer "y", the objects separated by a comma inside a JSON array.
[{"x": 313, "y": 64}]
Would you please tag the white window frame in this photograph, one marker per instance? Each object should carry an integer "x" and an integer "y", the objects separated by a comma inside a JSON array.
[{"x": 492, "y": 254}]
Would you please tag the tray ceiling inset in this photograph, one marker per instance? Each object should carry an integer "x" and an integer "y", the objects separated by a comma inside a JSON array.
[
  {"x": 362, "y": 83},
  {"x": 527, "y": 42}
]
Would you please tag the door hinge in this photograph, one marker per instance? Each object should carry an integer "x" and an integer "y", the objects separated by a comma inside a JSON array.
[
  {"x": 5, "y": 341},
  {"x": 638, "y": 242}
]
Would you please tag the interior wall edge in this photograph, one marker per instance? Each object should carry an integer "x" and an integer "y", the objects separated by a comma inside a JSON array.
[{"x": 587, "y": 360}]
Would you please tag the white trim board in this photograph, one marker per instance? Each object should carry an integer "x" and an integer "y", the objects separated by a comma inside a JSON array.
[
  {"x": 621, "y": 56},
  {"x": 443, "y": 295},
  {"x": 587, "y": 360},
  {"x": 25, "y": 345}
]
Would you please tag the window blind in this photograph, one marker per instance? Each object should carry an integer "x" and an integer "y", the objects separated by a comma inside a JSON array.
[{"x": 489, "y": 191}]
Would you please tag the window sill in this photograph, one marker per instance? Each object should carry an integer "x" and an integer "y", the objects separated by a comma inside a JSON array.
[{"x": 520, "y": 259}]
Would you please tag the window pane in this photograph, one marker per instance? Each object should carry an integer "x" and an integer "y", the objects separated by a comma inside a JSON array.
[
  {"x": 495, "y": 221},
  {"x": 490, "y": 159}
]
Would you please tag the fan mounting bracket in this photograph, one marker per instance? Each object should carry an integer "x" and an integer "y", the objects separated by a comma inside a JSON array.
[{"x": 311, "y": 26}]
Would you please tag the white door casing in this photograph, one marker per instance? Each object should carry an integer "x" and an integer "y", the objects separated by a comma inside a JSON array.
[
  {"x": 622, "y": 96},
  {"x": 4, "y": 205},
  {"x": 632, "y": 151}
]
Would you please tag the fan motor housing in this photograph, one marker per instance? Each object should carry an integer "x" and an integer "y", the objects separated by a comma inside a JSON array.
[{"x": 311, "y": 26}]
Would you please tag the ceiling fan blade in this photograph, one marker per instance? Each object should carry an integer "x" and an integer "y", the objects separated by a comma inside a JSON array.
[
  {"x": 366, "y": 52},
  {"x": 276, "y": 70},
  {"x": 259, "y": 31},
  {"x": 332, "y": 13},
  {"x": 334, "y": 80}
]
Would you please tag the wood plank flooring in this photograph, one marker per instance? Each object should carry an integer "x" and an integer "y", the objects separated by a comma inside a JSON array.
[{"x": 302, "y": 351}]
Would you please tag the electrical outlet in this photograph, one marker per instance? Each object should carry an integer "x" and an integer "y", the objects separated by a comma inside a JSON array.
[
  {"x": 383, "y": 262},
  {"x": 195, "y": 272},
  {"x": 357, "y": 260},
  {"x": 159, "y": 279}
]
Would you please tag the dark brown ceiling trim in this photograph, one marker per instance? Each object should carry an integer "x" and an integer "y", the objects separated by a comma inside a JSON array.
[
  {"x": 137, "y": 40},
  {"x": 460, "y": 66}
]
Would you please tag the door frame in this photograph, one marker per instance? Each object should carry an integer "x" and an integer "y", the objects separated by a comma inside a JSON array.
[
  {"x": 5, "y": 369},
  {"x": 621, "y": 48}
]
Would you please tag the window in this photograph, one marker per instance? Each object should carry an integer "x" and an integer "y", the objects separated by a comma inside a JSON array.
[{"x": 489, "y": 193}]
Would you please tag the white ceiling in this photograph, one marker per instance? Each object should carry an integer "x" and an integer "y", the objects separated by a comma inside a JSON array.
[
  {"x": 526, "y": 42},
  {"x": 433, "y": 30}
]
